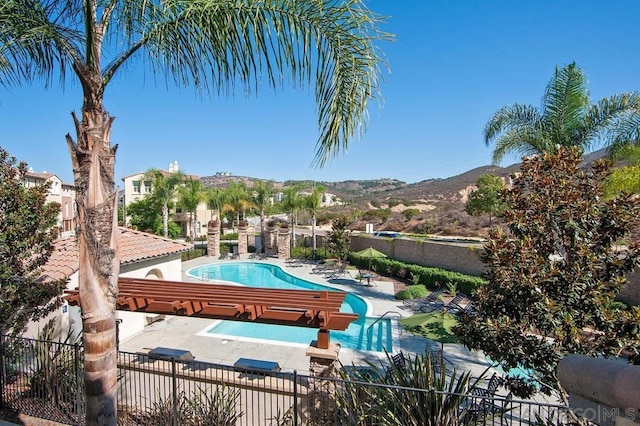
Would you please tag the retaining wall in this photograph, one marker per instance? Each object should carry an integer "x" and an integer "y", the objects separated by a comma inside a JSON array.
[{"x": 458, "y": 257}]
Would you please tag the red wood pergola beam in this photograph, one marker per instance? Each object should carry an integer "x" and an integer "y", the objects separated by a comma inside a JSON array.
[{"x": 304, "y": 308}]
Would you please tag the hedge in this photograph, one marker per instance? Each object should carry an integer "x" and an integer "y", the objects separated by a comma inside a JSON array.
[{"x": 432, "y": 278}]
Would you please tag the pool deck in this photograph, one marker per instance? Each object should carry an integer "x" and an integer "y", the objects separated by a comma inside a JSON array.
[{"x": 189, "y": 333}]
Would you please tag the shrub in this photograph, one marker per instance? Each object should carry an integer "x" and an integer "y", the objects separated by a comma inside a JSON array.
[
  {"x": 412, "y": 292},
  {"x": 192, "y": 254},
  {"x": 430, "y": 277}
]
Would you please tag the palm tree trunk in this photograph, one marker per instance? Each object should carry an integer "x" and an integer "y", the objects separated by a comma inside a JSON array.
[
  {"x": 313, "y": 233},
  {"x": 262, "y": 231},
  {"x": 165, "y": 220},
  {"x": 93, "y": 164}
]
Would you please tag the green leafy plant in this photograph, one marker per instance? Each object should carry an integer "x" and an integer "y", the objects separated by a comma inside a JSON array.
[
  {"x": 412, "y": 292},
  {"x": 54, "y": 369},
  {"x": 442, "y": 401},
  {"x": 202, "y": 407},
  {"x": 553, "y": 276},
  {"x": 452, "y": 288}
]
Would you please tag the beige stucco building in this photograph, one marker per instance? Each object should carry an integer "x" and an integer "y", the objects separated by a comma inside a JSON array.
[
  {"x": 136, "y": 187},
  {"x": 59, "y": 192}
]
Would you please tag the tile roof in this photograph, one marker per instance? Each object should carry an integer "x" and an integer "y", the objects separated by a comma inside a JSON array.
[{"x": 135, "y": 246}]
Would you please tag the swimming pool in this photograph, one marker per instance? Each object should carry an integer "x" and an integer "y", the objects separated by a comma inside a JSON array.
[{"x": 361, "y": 334}]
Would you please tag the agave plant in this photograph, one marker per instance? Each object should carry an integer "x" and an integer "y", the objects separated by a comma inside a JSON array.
[
  {"x": 54, "y": 369},
  {"x": 418, "y": 394}
]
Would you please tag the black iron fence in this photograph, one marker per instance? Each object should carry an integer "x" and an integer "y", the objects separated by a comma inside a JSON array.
[{"x": 45, "y": 379}]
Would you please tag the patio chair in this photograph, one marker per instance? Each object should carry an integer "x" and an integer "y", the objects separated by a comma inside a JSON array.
[
  {"x": 340, "y": 269},
  {"x": 490, "y": 391},
  {"x": 399, "y": 362},
  {"x": 432, "y": 298},
  {"x": 485, "y": 407},
  {"x": 440, "y": 363}
]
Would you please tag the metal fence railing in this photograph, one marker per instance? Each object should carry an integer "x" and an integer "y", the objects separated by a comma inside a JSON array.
[{"x": 45, "y": 379}]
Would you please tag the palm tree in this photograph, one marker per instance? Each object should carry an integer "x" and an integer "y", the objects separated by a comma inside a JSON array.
[
  {"x": 238, "y": 200},
  {"x": 262, "y": 193},
  {"x": 292, "y": 203},
  {"x": 312, "y": 204},
  {"x": 189, "y": 197},
  {"x": 208, "y": 45},
  {"x": 215, "y": 199},
  {"x": 566, "y": 118},
  {"x": 163, "y": 188}
]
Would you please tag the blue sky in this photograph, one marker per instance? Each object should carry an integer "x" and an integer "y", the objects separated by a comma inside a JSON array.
[{"x": 452, "y": 65}]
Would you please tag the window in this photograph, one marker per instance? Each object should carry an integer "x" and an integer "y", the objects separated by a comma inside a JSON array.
[
  {"x": 147, "y": 186},
  {"x": 136, "y": 186}
]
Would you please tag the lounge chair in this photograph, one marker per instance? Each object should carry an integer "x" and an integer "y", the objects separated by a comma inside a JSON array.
[
  {"x": 454, "y": 304},
  {"x": 416, "y": 304},
  {"x": 338, "y": 271}
]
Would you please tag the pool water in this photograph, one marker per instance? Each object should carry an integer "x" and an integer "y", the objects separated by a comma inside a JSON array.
[{"x": 361, "y": 334}]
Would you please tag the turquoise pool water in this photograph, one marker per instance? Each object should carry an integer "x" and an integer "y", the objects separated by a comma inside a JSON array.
[{"x": 361, "y": 334}]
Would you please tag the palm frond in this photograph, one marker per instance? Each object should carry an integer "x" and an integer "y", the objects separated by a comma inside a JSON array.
[
  {"x": 36, "y": 40},
  {"x": 565, "y": 103},
  {"x": 214, "y": 45},
  {"x": 614, "y": 121},
  {"x": 522, "y": 141},
  {"x": 510, "y": 117}
]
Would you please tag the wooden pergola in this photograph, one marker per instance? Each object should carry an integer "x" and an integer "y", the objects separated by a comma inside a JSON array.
[{"x": 302, "y": 308}]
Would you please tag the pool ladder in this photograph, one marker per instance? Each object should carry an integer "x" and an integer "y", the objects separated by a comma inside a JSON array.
[{"x": 369, "y": 332}]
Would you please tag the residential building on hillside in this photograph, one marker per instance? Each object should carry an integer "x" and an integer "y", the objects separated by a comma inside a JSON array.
[
  {"x": 59, "y": 192},
  {"x": 136, "y": 187}
]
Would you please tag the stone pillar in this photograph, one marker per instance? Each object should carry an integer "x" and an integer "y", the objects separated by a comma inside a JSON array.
[
  {"x": 284, "y": 243},
  {"x": 269, "y": 242},
  {"x": 323, "y": 363},
  {"x": 242, "y": 238},
  {"x": 213, "y": 238}
]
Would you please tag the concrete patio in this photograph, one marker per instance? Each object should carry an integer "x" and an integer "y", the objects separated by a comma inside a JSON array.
[{"x": 190, "y": 333}]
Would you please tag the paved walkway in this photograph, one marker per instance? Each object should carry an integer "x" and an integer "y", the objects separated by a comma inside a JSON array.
[{"x": 189, "y": 333}]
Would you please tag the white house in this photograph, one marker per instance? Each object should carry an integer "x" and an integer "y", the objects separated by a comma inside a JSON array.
[{"x": 142, "y": 255}]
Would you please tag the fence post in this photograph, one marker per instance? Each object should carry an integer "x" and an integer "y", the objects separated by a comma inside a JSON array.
[
  {"x": 174, "y": 384},
  {"x": 79, "y": 380},
  {"x": 2, "y": 378},
  {"x": 295, "y": 397}
]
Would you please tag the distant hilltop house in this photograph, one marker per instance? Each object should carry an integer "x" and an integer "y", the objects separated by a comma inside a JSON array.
[
  {"x": 59, "y": 192},
  {"x": 327, "y": 200}
]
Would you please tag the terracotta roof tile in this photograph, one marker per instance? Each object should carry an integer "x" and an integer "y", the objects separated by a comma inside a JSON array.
[{"x": 135, "y": 246}]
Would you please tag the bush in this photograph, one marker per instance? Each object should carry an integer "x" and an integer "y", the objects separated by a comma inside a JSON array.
[
  {"x": 191, "y": 254},
  {"x": 412, "y": 292},
  {"x": 430, "y": 277}
]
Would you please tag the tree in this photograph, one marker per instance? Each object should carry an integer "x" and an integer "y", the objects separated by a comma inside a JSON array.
[
  {"x": 485, "y": 198},
  {"x": 238, "y": 200},
  {"x": 27, "y": 232},
  {"x": 312, "y": 203},
  {"x": 145, "y": 215},
  {"x": 338, "y": 240},
  {"x": 163, "y": 188},
  {"x": 190, "y": 194},
  {"x": 262, "y": 193},
  {"x": 566, "y": 118},
  {"x": 208, "y": 45},
  {"x": 553, "y": 277},
  {"x": 215, "y": 199},
  {"x": 627, "y": 176},
  {"x": 292, "y": 203}
]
